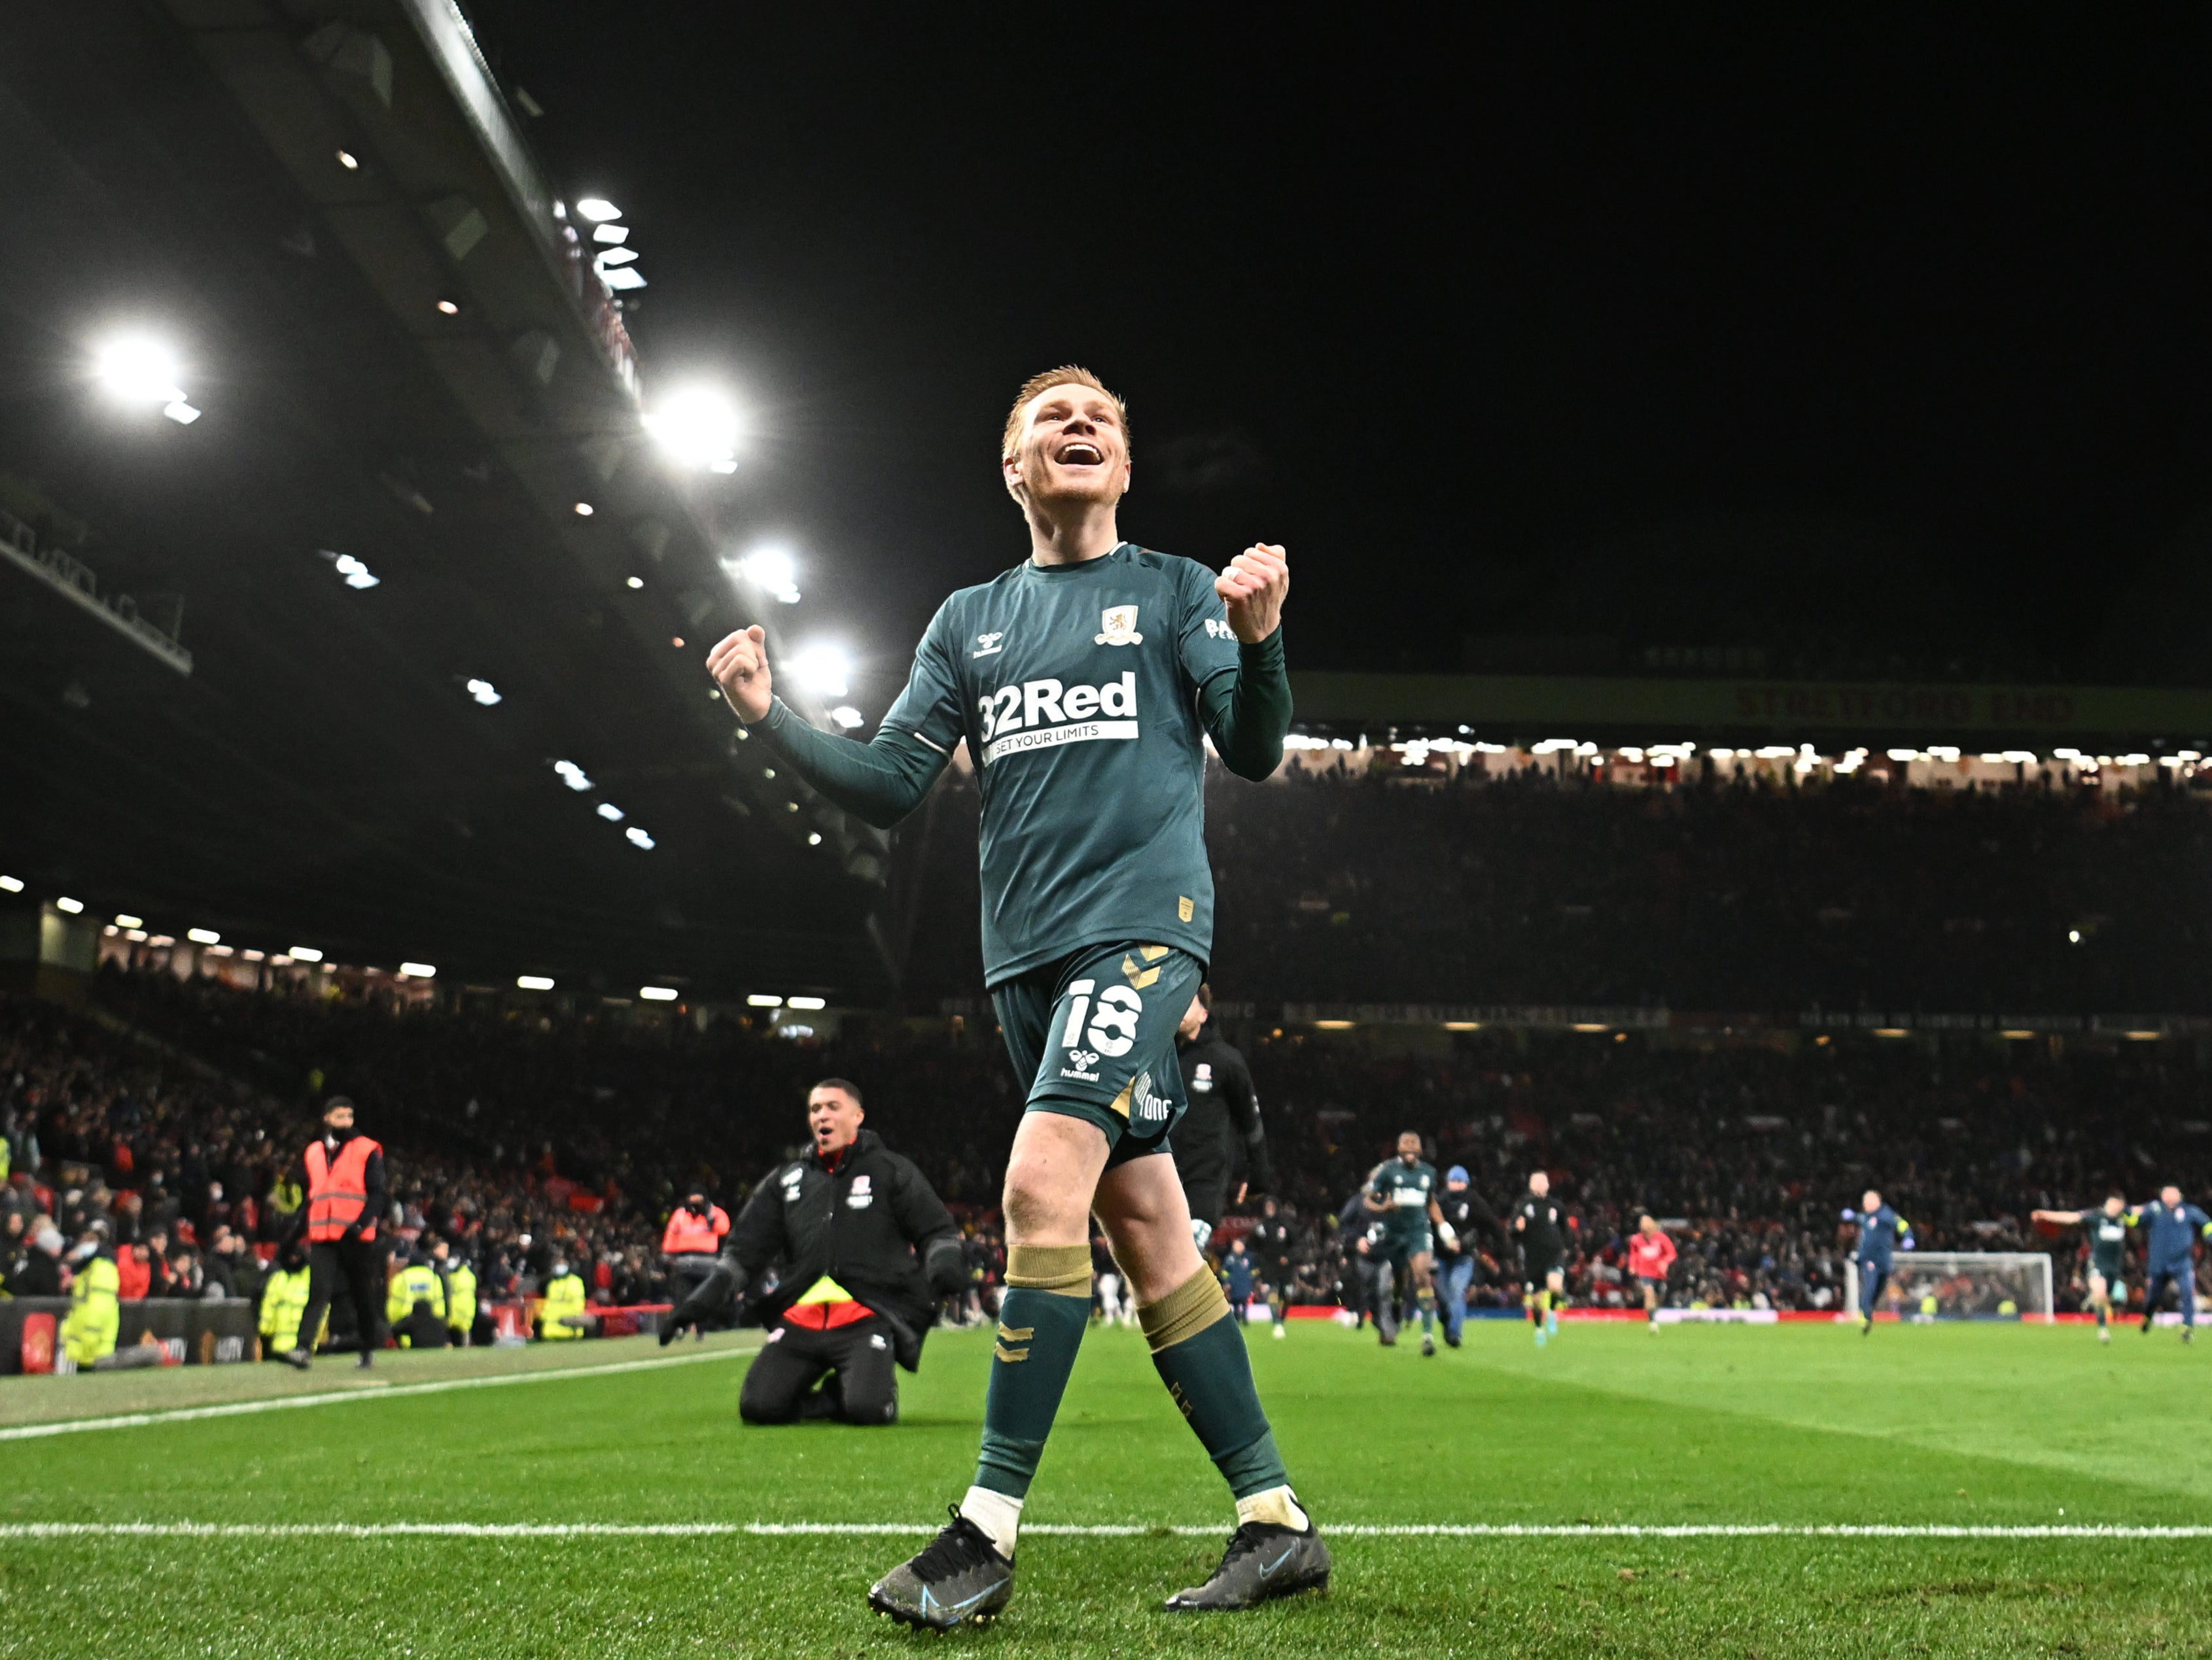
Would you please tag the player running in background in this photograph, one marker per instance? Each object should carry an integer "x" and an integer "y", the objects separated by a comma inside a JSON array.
[
  {"x": 1880, "y": 1230},
  {"x": 1274, "y": 1254},
  {"x": 2170, "y": 1254},
  {"x": 1541, "y": 1228},
  {"x": 1651, "y": 1255},
  {"x": 1402, "y": 1192},
  {"x": 2108, "y": 1244},
  {"x": 1086, "y": 683}
]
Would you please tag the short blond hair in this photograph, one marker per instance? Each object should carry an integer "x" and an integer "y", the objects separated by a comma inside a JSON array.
[{"x": 1068, "y": 374}]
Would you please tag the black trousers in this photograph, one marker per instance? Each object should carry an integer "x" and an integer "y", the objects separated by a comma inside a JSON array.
[
  {"x": 359, "y": 1264},
  {"x": 686, "y": 1274},
  {"x": 861, "y": 1385}
]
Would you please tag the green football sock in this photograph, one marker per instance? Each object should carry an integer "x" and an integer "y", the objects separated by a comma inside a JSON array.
[
  {"x": 1200, "y": 1356},
  {"x": 1427, "y": 1300},
  {"x": 1041, "y": 1323}
]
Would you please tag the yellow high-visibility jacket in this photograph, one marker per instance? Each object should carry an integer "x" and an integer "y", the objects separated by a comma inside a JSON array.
[
  {"x": 283, "y": 1300},
  {"x": 563, "y": 1296},
  {"x": 89, "y": 1331},
  {"x": 418, "y": 1282},
  {"x": 460, "y": 1295}
]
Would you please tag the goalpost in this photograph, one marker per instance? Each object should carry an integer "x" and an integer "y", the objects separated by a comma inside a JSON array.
[{"x": 1963, "y": 1285}]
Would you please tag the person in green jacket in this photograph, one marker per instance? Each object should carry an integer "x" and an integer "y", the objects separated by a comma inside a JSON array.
[
  {"x": 564, "y": 1298},
  {"x": 89, "y": 1331},
  {"x": 460, "y": 1291},
  {"x": 283, "y": 1300}
]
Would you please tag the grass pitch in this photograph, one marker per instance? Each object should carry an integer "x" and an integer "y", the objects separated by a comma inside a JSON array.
[{"x": 1990, "y": 1427}]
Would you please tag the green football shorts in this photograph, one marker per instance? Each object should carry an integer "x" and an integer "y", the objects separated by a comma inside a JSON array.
[{"x": 1095, "y": 1034}]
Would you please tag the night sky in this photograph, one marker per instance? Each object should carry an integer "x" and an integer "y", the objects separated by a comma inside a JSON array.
[{"x": 1877, "y": 342}]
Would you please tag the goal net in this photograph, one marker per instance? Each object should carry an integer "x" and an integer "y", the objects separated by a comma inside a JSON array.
[{"x": 1964, "y": 1285}]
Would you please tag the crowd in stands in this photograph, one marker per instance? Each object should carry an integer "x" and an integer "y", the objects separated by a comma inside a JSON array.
[
  {"x": 525, "y": 1136},
  {"x": 1406, "y": 886}
]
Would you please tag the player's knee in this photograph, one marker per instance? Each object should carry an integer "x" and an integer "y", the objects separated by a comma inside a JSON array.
[
  {"x": 1037, "y": 1203},
  {"x": 759, "y": 1402},
  {"x": 867, "y": 1404}
]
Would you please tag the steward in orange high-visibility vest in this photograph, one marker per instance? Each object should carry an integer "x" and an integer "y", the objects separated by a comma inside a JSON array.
[
  {"x": 346, "y": 1199},
  {"x": 691, "y": 1242}
]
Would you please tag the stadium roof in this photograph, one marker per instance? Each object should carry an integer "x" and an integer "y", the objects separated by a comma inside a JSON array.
[{"x": 408, "y": 388}]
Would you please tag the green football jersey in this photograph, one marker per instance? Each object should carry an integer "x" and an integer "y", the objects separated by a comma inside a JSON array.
[
  {"x": 1406, "y": 1189},
  {"x": 2108, "y": 1241},
  {"x": 1075, "y": 689}
]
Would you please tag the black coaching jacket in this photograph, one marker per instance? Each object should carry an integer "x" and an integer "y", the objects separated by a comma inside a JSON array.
[{"x": 873, "y": 1224}]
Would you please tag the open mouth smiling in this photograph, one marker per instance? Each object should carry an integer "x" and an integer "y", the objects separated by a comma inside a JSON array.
[{"x": 1080, "y": 454}]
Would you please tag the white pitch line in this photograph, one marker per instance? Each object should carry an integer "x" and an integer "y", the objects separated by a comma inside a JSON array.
[
  {"x": 370, "y": 1392},
  {"x": 1069, "y": 1529}
]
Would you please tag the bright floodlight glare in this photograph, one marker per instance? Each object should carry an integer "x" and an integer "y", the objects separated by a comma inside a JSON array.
[
  {"x": 614, "y": 257},
  {"x": 697, "y": 426},
  {"x": 421, "y": 971},
  {"x": 180, "y": 412},
  {"x": 598, "y": 210},
  {"x": 808, "y": 1003},
  {"x": 848, "y": 716},
  {"x": 763, "y": 999},
  {"x": 822, "y": 669},
  {"x": 657, "y": 993},
  {"x": 583, "y": 510},
  {"x": 639, "y": 839},
  {"x": 11, "y": 884},
  {"x": 138, "y": 371},
  {"x": 449, "y": 307},
  {"x": 814, "y": 839},
  {"x": 203, "y": 937},
  {"x": 622, "y": 276},
  {"x": 69, "y": 905},
  {"x": 572, "y": 775},
  {"x": 773, "y": 571},
  {"x": 347, "y": 161},
  {"x": 634, "y": 582},
  {"x": 611, "y": 813},
  {"x": 533, "y": 982},
  {"x": 611, "y": 235},
  {"x": 124, "y": 921},
  {"x": 305, "y": 954},
  {"x": 482, "y": 691}
]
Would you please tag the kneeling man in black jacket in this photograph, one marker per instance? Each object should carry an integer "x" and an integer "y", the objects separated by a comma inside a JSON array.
[{"x": 862, "y": 1249}]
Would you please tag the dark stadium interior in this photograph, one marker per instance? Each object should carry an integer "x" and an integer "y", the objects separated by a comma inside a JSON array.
[{"x": 1633, "y": 370}]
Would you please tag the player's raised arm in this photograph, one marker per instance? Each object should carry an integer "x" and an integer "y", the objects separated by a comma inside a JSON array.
[
  {"x": 1247, "y": 713},
  {"x": 2062, "y": 1218},
  {"x": 880, "y": 781}
]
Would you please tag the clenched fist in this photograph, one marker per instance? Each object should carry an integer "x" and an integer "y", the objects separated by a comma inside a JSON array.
[
  {"x": 1254, "y": 584},
  {"x": 739, "y": 666}
]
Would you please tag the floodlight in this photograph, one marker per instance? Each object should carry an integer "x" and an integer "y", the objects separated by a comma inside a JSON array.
[
  {"x": 11, "y": 884},
  {"x": 763, "y": 999},
  {"x": 807, "y": 1002},
  {"x": 72, "y": 907},
  {"x": 180, "y": 412},
  {"x": 533, "y": 982},
  {"x": 639, "y": 839},
  {"x": 657, "y": 993},
  {"x": 698, "y": 426},
  {"x": 138, "y": 370},
  {"x": 611, "y": 813},
  {"x": 572, "y": 775},
  {"x": 821, "y": 669},
  {"x": 614, "y": 257},
  {"x": 814, "y": 839},
  {"x": 598, "y": 210},
  {"x": 622, "y": 276},
  {"x": 482, "y": 691},
  {"x": 848, "y": 716},
  {"x": 347, "y": 161},
  {"x": 611, "y": 235},
  {"x": 130, "y": 921},
  {"x": 136, "y": 936},
  {"x": 451, "y": 308},
  {"x": 583, "y": 510},
  {"x": 305, "y": 954},
  {"x": 771, "y": 569},
  {"x": 421, "y": 971},
  {"x": 203, "y": 937},
  {"x": 634, "y": 582}
]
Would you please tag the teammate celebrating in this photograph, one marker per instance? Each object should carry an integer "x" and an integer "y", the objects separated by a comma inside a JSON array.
[
  {"x": 2170, "y": 1254},
  {"x": 1540, "y": 1226},
  {"x": 1880, "y": 1228},
  {"x": 2108, "y": 1242},
  {"x": 1086, "y": 683},
  {"x": 1650, "y": 1255},
  {"x": 1403, "y": 1192}
]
